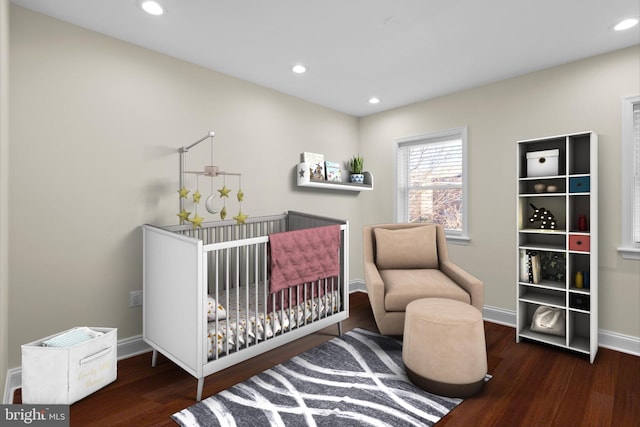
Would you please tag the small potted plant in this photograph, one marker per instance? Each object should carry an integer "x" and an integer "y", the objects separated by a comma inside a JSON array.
[{"x": 355, "y": 166}]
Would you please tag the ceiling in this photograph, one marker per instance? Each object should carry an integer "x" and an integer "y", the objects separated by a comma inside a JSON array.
[{"x": 401, "y": 51}]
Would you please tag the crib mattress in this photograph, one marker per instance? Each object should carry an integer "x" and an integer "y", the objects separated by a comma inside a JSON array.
[{"x": 236, "y": 319}]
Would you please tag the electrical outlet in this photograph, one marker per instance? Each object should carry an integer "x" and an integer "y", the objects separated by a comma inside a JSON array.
[{"x": 135, "y": 298}]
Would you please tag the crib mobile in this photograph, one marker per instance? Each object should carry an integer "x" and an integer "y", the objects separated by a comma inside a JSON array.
[{"x": 211, "y": 172}]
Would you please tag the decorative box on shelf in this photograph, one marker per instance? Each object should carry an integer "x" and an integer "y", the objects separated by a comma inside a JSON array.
[
  {"x": 579, "y": 184},
  {"x": 579, "y": 242},
  {"x": 542, "y": 163},
  {"x": 579, "y": 301}
]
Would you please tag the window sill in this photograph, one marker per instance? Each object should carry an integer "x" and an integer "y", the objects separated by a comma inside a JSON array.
[
  {"x": 629, "y": 253},
  {"x": 458, "y": 240}
]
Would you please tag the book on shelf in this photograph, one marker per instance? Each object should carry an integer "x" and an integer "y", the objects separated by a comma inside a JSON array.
[
  {"x": 530, "y": 267},
  {"x": 534, "y": 267},
  {"x": 524, "y": 266},
  {"x": 333, "y": 171},
  {"x": 315, "y": 163}
]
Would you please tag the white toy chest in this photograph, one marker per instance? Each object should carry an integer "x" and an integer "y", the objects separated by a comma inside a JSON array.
[
  {"x": 64, "y": 375},
  {"x": 542, "y": 163}
]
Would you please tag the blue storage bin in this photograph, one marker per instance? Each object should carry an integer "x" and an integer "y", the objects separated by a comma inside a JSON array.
[{"x": 579, "y": 184}]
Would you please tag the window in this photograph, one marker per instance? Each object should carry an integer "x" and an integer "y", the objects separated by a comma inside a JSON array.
[
  {"x": 630, "y": 178},
  {"x": 431, "y": 177}
]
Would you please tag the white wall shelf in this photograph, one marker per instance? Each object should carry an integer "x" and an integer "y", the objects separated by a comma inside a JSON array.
[
  {"x": 570, "y": 248},
  {"x": 305, "y": 181}
]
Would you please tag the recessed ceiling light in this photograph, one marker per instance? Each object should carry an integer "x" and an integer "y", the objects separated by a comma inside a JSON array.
[
  {"x": 374, "y": 100},
  {"x": 299, "y": 69},
  {"x": 626, "y": 24},
  {"x": 152, "y": 7}
]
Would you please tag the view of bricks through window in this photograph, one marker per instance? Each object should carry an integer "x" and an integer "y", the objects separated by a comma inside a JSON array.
[{"x": 435, "y": 184}]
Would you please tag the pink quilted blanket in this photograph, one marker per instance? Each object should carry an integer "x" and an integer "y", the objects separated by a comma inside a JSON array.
[{"x": 303, "y": 256}]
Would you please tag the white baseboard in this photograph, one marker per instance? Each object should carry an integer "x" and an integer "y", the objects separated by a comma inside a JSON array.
[
  {"x": 499, "y": 315},
  {"x": 606, "y": 339},
  {"x": 357, "y": 285},
  {"x": 133, "y": 346},
  {"x": 619, "y": 342},
  {"x": 12, "y": 383}
]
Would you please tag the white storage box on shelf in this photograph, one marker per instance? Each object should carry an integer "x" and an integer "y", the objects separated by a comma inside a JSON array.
[
  {"x": 542, "y": 163},
  {"x": 71, "y": 370}
]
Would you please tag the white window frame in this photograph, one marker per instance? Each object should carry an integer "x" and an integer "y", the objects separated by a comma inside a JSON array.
[
  {"x": 630, "y": 166},
  {"x": 453, "y": 236}
]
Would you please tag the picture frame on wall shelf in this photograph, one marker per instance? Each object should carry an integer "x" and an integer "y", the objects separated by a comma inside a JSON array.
[
  {"x": 315, "y": 163},
  {"x": 333, "y": 171}
]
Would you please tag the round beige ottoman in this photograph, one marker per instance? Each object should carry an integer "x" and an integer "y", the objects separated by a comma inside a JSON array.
[{"x": 443, "y": 348}]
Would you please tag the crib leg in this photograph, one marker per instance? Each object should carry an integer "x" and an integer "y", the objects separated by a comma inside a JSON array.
[
  {"x": 200, "y": 387},
  {"x": 340, "y": 328},
  {"x": 154, "y": 358}
]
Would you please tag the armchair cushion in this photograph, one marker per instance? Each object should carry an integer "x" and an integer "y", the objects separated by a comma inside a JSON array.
[
  {"x": 406, "y": 248},
  {"x": 404, "y": 286}
]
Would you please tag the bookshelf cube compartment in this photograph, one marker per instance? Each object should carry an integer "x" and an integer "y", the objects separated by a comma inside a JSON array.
[
  {"x": 543, "y": 186},
  {"x": 579, "y": 205},
  {"x": 580, "y": 153},
  {"x": 526, "y": 311},
  {"x": 550, "y": 240},
  {"x": 542, "y": 296},
  {"x": 554, "y": 204},
  {"x": 579, "y": 334},
  {"x": 579, "y": 242},
  {"x": 551, "y": 265},
  {"x": 580, "y": 262}
]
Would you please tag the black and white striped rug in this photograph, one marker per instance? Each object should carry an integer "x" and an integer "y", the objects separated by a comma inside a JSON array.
[{"x": 354, "y": 380}]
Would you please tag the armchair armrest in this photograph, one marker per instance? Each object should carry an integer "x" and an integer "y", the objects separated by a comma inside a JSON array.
[
  {"x": 375, "y": 289},
  {"x": 470, "y": 283}
]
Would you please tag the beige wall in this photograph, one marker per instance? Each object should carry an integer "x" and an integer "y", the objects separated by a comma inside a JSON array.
[
  {"x": 580, "y": 96},
  {"x": 96, "y": 125}
]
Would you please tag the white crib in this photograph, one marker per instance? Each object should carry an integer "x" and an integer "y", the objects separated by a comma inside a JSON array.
[{"x": 206, "y": 300}]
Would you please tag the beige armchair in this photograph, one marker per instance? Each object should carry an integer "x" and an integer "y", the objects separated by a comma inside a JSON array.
[{"x": 405, "y": 262}]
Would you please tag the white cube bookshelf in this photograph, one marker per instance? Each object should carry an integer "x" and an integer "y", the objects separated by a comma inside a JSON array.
[{"x": 565, "y": 250}]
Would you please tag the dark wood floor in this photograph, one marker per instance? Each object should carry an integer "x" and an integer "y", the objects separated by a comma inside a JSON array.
[{"x": 532, "y": 385}]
